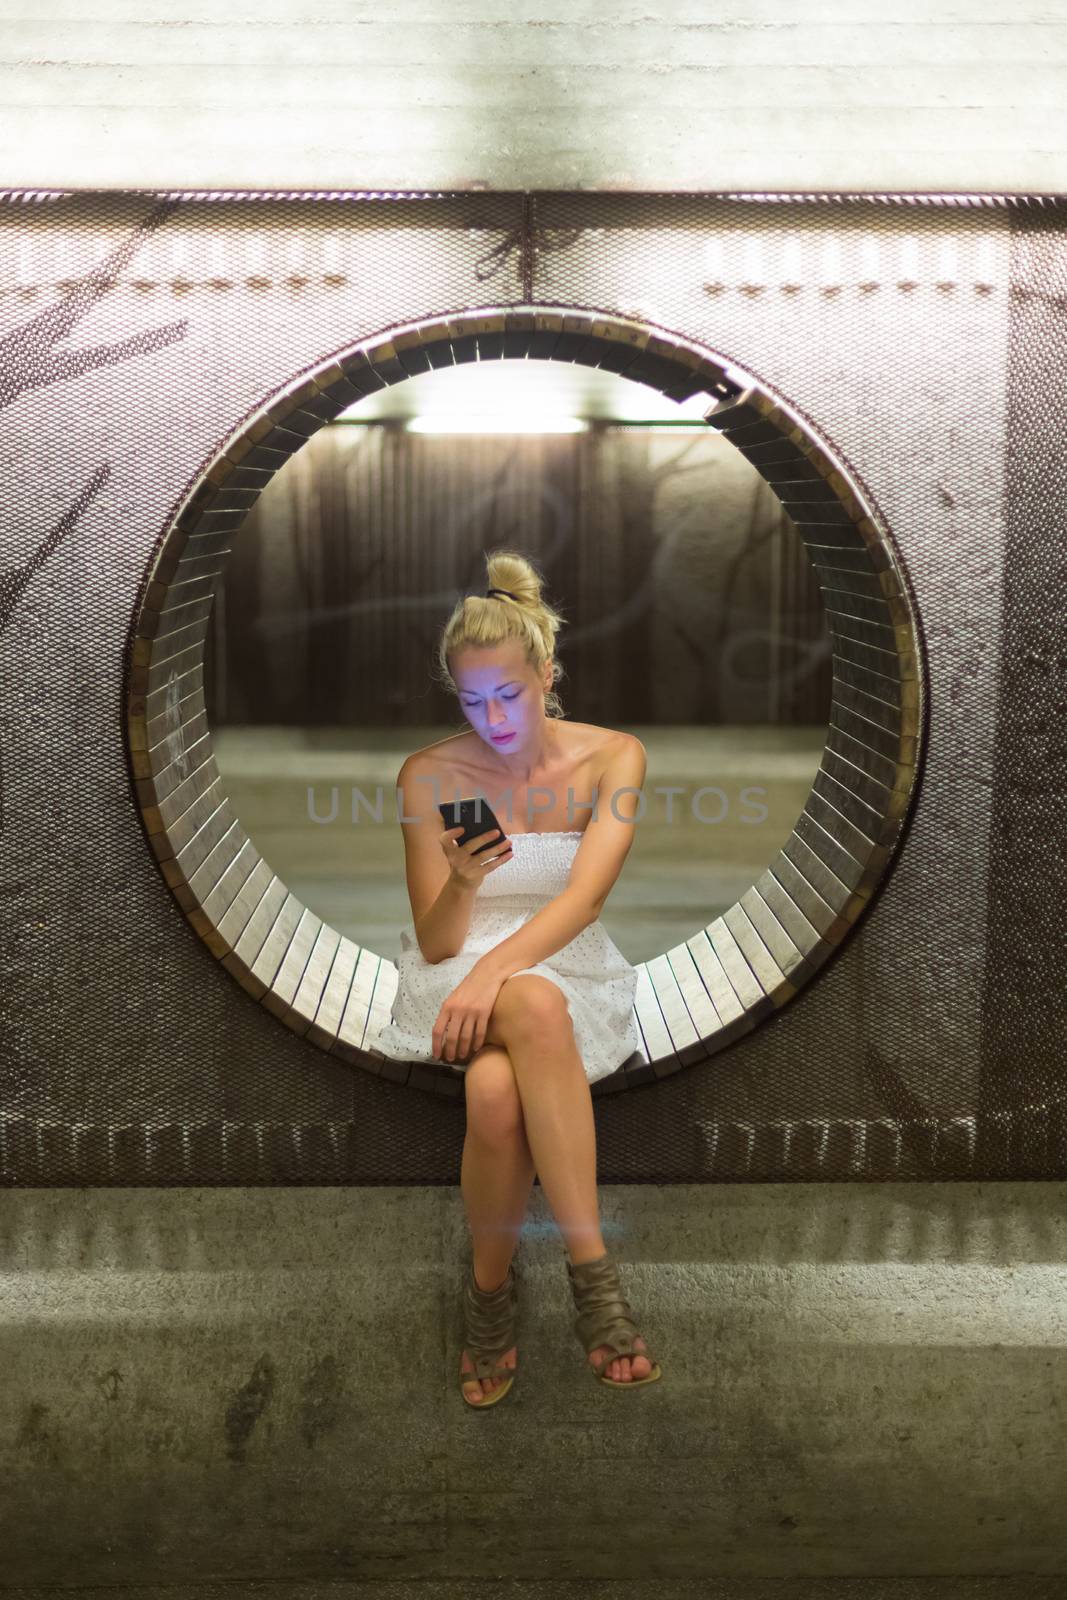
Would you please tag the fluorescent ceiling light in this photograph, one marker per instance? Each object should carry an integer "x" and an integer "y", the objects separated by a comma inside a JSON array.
[
  {"x": 524, "y": 389},
  {"x": 497, "y": 424}
]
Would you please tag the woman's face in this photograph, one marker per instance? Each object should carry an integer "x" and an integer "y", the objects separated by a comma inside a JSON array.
[{"x": 501, "y": 694}]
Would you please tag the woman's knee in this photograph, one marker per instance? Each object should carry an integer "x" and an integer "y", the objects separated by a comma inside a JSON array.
[
  {"x": 528, "y": 1001},
  {"x": 494, "y": 1106}
]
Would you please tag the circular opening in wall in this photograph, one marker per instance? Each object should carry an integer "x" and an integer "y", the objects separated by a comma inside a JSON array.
[{"x": 759, "y": 937}]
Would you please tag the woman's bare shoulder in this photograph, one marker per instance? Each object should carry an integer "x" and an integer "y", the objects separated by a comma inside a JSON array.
[
  {"x": 605, "y": 741},
  {"x": 438, "y": 754}
]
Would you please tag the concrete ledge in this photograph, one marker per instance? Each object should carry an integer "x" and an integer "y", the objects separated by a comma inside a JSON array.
[{"x": 217, "y": 1386}]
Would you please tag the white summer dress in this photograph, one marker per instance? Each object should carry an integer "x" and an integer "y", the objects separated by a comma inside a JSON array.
[{"x": 598, "y": 982}]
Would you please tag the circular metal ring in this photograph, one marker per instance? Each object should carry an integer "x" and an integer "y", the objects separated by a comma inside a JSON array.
[{"x": 748, "y": 962}]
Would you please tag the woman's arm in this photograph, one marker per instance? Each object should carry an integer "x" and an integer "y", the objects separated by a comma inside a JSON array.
[
  {"x": 547, "y": 931},
  {"x": 441, "y": 906},
  {"x": 442, "y": 929}
]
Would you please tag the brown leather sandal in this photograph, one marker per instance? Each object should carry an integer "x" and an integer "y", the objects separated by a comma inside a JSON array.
[
  {"x": 489, "y": 1315},
  {"x": 604, "y": 1317}
]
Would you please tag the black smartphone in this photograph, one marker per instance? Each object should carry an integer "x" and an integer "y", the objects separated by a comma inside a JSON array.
[{"x": 477, "y": 818}]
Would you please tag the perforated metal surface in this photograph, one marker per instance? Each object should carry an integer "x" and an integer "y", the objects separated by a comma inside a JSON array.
[{"x": 131, "y": 1056}]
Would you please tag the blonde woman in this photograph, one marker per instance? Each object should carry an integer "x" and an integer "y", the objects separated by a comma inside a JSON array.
[{"x": 506, "y": 971}]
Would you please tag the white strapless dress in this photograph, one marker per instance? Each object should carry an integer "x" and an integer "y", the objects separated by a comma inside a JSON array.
[{"x": 598, "y": 982}]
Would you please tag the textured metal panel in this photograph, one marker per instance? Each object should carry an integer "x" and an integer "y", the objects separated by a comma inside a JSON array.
[
  {"x": 180, "y": 1078},
  {"x": 1023, "y": 993}
]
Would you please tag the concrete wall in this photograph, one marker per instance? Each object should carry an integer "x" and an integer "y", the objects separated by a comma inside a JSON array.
[{"x": 844, "y": 95}]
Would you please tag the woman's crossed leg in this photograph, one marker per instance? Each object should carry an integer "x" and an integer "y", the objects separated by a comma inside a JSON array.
[
  {"x": 496, "y": 1178},
  {"x": 529, "y": 1109}
]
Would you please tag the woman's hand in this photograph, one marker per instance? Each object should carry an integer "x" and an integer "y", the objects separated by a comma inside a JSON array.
[
  {"x": 464, "y": 1016},
  {"x": 471, "y": 863}
]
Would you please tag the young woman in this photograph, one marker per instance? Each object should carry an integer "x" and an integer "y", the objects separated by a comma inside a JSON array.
[{"x": 506, "y": 970}]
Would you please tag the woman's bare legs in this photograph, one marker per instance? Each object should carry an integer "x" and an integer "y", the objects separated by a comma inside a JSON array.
[
  {"x": 531, "y": 1020},
  {"x": 496, "y": 1177}
]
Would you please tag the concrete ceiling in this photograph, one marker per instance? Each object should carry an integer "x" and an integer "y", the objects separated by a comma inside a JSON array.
[{"x": 767, "y": 95}]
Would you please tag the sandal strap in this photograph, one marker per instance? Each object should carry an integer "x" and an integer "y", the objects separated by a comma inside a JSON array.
[
  {"x": 604, "y": 1314},
  {"x": 490, "y": 1320}
]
